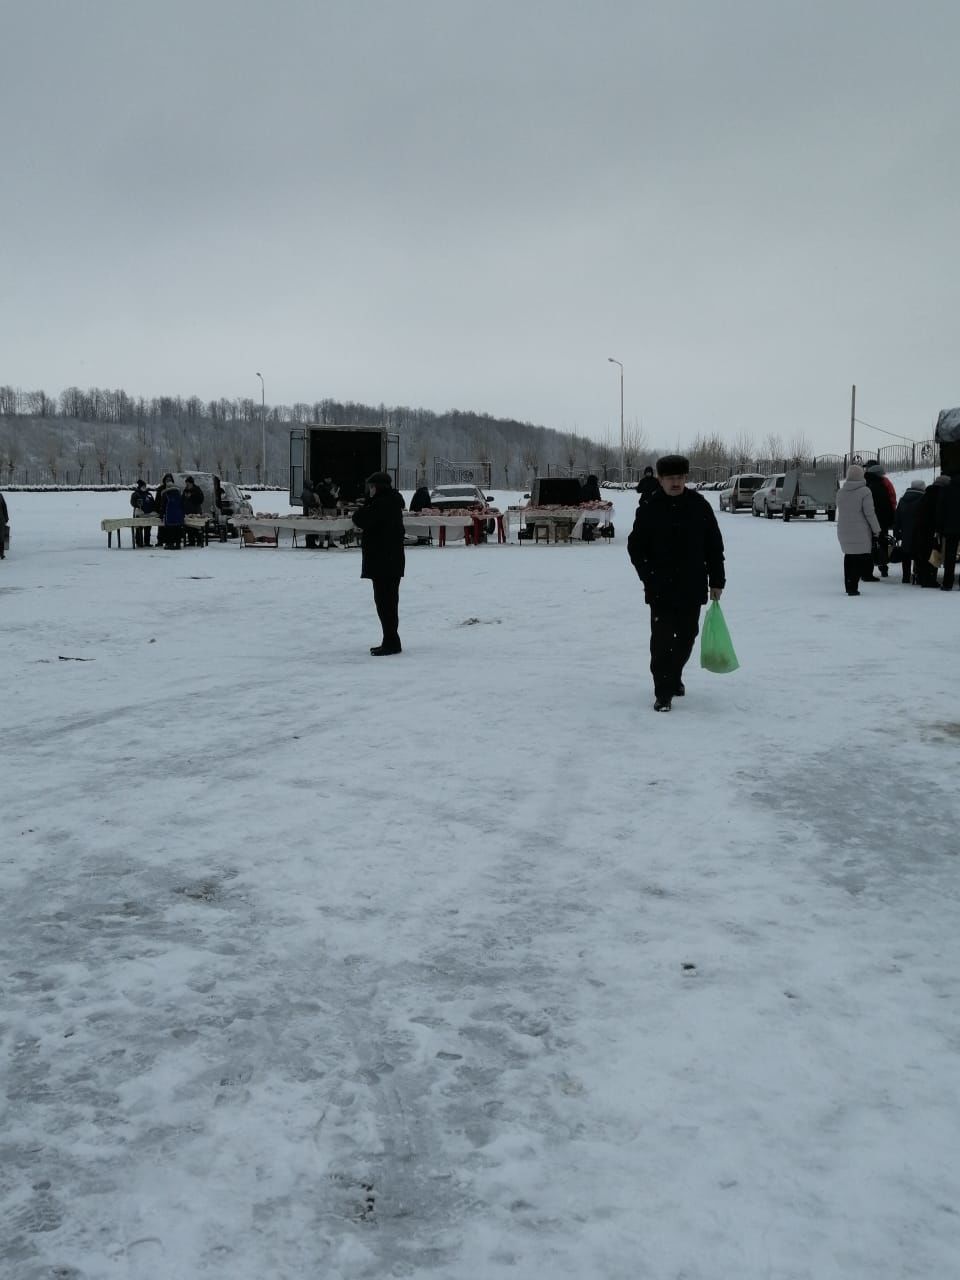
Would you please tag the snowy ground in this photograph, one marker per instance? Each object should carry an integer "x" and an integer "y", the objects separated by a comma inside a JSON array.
[{"x": 465, "y": 964}]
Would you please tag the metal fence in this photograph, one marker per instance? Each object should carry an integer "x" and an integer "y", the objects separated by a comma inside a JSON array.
[{"x": 478, "y": 473}]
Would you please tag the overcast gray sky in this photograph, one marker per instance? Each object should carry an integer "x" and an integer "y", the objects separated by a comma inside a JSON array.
[{"x": 473, "y": 203}]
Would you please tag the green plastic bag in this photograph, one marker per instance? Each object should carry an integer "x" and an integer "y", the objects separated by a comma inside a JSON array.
[{"x": 716, "y": 647}]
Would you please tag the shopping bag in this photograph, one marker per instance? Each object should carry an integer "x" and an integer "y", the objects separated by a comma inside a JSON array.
[
  {"x": 716, "y": 647},
  {"x": 936, "y": 559}
]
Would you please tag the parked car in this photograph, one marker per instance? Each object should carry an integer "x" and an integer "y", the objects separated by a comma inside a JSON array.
[
  {"x": 451, "y": 496},
  {"x": 737, "y": 492}
]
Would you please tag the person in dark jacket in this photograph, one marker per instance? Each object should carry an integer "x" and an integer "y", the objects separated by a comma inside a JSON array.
[
  {"x": 171, "y": 511},
  {"x": 904, "y": 521},
  {"x": 192, "y": 506},
  {"x": 884, "y": 505},
  {"x": 925, "y": 537},
  {"x": 948, "y": 526},
  {"x": 420, "y": 499},
  {"x": 383, "y": 559},
  {"x": 5, "y": 527},
  {"x": 590, "y": 490},
  {"x": 677, "y": 550},
  {"x": 141, "y": 500},
  {"x": 158, "y": 507},
  {"x": 311, "y": 507},
  {"x": 328, "y": 493},
  {"x": 649, "y": 484}
]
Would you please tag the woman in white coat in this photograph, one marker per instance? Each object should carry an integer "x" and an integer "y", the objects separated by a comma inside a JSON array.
[{"x": 857, "y": 526}]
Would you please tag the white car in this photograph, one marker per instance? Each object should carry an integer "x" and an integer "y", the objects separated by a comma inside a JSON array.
[
  {"x": 449, "y": 496},
  {"x": 768, "y": 499},
  {"x": 737, "y": 493}
]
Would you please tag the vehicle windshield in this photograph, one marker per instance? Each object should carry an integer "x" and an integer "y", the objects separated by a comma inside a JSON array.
[{"x": 455, "y": 493}]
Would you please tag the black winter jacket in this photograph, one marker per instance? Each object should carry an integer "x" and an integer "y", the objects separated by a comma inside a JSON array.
[
  {"x": 948, "y": 507},
  {"x": 192, "y": 500},
  {"x": 648, "y": 486},
  {"x": 906, "y": 518},
  {"x": 677, "y": 549},
  {"x": 381, "y": 519}
]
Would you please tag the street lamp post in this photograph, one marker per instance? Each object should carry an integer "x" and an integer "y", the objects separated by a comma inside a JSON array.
[
  {"x": 263, "y": 431},
  {"x": 611, "y": 360}
]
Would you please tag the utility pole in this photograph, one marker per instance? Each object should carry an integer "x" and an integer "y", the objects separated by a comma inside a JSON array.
[
  {"x": 853, "y": 415},
  {"x": 611, "y": 360},
  {"x": 263, "y": 433}
]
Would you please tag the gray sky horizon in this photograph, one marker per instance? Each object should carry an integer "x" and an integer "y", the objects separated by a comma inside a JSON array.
[{"x": 464, "y": 204}]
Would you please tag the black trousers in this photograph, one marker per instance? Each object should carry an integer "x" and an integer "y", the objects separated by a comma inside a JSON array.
[
  {"x": 672, "y": 633},
  {"x": 386, "y": 596},
  {"x": 855, "y": 568},
  {"x": 950, "y": 543}
]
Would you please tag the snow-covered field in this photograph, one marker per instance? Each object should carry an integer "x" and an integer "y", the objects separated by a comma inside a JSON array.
[{"x": 466, "y": 964}]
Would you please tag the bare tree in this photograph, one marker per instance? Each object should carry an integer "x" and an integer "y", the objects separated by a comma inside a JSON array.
[
  {"x": 10, "y": 452},
  {"x": 51, "y": 454},
  {"x": 634, "y": 444},
  {"x": 799, "y": 447},
  {"x": 743, "y": 449}
]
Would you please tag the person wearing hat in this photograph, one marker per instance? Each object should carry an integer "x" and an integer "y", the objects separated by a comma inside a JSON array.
[
  {"x": 5, "y": 527},
  {"x": 857, "y": 527},
  {"x": 677, "y": 550},
  {"x": 904, "y": 523},
  {"x": 380, "y": 520},
  {"x": 141, "y": 500},
  {"x": 648, "y": 484}
]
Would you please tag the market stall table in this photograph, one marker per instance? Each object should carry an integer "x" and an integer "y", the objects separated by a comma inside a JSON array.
[
  {"x": 566, "y": 524},
  {"x": 111, "y": 527},
  {"x": 470, "y": 525}
]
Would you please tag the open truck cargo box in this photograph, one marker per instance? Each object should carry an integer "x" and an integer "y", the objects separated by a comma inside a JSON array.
[{"x": 346, "y": 454}]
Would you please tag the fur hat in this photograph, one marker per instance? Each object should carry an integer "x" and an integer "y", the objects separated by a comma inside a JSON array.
[
  {"x": 382, "y": 479},
  {"x": 874, "y": 469},
  {"x": 854, "y": 471},
  {"x": 918, "y": 484},
  {"x": 673, "y": 464}
]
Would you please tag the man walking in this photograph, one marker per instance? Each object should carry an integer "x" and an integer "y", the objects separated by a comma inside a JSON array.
[
  {"x": 383, "y": 557},
  {"x": 677, "y": 550}
]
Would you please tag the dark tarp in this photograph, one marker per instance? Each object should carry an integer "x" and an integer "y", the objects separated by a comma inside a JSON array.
[{"x": 948, "y": 426}]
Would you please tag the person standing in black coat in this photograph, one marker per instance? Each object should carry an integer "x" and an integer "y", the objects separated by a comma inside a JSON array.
[
  {"x": 383, "y": 557},
  {"x": 677, "y": 550},
  {"x": 648, "y": 485},
  {"x": 141, "y": 500},
  {"x": 5, "y": 527},
  {"x": 420, "y": 499},
  {"x": 948, "y": 525},
  {"x": 904, "y": 522},
  {"x": 192, "y": 506}
]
